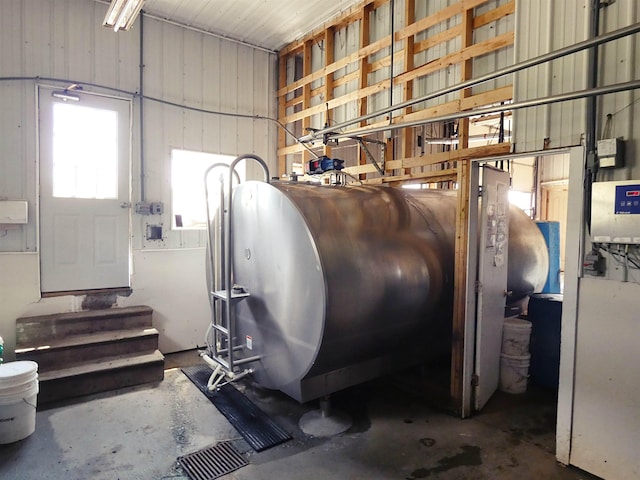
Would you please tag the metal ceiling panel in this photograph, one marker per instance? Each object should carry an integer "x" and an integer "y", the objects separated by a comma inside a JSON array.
[{"x": 269, "y": 24}]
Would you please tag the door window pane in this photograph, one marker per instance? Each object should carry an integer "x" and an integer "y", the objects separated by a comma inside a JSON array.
[{"x": 85, "y": 152}]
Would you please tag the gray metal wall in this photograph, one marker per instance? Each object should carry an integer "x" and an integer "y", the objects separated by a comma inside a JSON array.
[
  {"x": 619, "y": 62},
  {"x": 546, "y": 25},
  {"x": 543, "y": 26},
  {"x": 65, "y": 40}
]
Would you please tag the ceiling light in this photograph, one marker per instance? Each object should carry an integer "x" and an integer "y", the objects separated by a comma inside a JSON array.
[{"x": 122, "y": 14}]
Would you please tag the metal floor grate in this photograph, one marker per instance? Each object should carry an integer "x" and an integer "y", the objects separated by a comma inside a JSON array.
[
  {"x": 212, "y": 462},
  {"x": 255, "y": 426}
]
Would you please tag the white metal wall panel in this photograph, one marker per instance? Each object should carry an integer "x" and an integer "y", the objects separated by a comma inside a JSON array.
[
  {"x": 541, "y": 27},
  {"x": 64, "y": 40},
  {"x": 60, "y": 39},
  {"x": 187, "y": 67},
  {"x": 553, "y": 168},
  {"x": 618, "y": 63},
  {"x": 606, "y": 420}
]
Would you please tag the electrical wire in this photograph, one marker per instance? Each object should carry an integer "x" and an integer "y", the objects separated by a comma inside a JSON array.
[
  {"x": 625, "y": 107},
  {"x": 622, "y": 256},
  {"x": 164, "y": 102},
  {"x": 352, "y": 176}
]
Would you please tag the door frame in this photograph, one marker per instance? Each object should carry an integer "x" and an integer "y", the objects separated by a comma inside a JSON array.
[
  {"x": 575, "y": 233},
  {"x": 572, "y": 275},
  {"x": 38, "y": 88}
]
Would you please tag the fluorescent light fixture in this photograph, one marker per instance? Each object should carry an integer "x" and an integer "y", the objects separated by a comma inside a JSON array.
[
  {"x": 65, "y": 95},
  {"x": 122, "y": 14}
]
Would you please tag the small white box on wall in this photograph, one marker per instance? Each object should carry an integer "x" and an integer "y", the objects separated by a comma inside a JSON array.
[{"x": 13, "y": 212}]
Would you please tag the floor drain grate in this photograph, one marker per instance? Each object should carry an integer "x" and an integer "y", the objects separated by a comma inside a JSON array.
[{"x": 212, "y": 462}]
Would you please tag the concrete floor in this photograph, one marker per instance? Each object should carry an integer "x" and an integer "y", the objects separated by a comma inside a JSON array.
[{"x": 138, "y": 433}]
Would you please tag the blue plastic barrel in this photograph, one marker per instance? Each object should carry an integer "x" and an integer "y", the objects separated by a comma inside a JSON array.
[{"x": 545, "y": 315}]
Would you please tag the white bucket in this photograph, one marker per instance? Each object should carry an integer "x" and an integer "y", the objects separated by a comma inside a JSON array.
[
  {"x": 514, "y": 373},
  {"x": 515, "y": 336},
  {"x": 18, "y": 397}
]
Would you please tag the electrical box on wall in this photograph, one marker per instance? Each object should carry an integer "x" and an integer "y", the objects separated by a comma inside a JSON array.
[
  {"x": 146, "y": 208},
  {"x": 611, "y": 153},
  {"x": 13, "y": 212},
  {"x": 615, "y": 212}
]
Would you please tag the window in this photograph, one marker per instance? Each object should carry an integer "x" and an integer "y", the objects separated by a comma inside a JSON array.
[
  {"x": 85, "y": 152},
  {"x": 522, "y": 200},
  {"x": 187, "y": 186}
]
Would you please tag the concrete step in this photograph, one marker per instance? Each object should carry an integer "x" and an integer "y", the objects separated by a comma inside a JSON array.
[
  {"x": 108, "y": 373},
  {"x": 59, "y": 353},
  {"x": 33, "y": 330}
]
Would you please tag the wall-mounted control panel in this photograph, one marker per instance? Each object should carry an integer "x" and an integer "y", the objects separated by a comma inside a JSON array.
[
  {"x": 627, "y": 199},
  {"x": 13, "y": 212},
  {"x": 615, "y": 212}
]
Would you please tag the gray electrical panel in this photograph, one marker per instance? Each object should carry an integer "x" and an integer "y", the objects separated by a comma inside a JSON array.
[
  {"x": 611, "y": 153},
  {"x": 615, "y": 212}
]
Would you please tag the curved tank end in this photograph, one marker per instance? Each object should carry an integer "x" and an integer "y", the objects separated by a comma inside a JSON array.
[
  {"x": 528, "y": 256},
  {"x": 276, "y": 259}
]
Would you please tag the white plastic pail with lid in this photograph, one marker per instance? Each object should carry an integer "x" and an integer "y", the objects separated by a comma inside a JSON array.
[{"x": 18, "y": 397}]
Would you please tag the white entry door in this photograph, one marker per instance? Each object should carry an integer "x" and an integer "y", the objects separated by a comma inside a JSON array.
[
  {"x": 492, "y": 281},
  {"x": 84, "y": 190}
]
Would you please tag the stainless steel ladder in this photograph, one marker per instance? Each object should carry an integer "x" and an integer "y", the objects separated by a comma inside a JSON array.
[{"x": 224, "y": 352}]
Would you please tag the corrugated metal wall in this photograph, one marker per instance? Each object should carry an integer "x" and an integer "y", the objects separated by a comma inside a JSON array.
[
  {"x": 618, "y": 62},
  {"x": 548, "y": 25},
  {"x": 64, "y": 39},
  {"x": 543, "y": 26},
  {"x": 186, "y": 67}
]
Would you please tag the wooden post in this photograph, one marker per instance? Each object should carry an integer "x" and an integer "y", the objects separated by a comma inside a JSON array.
[
  {"x": 282, "y": 100},
  {"x": 407, "y": 89},
  {"x": 329, "y": 58},
  {"x": 462, "y": 233},
  {"x": 466, "y": 73},
  {"x": 460, "y": 283},
  {"x": 306, "y": 95},
  {"x": 363, "y": 81}
]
